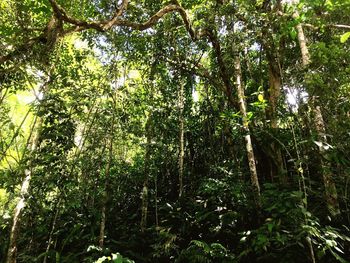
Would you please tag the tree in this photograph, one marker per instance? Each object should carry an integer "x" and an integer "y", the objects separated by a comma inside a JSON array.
[{"x": 187, "y": 131}]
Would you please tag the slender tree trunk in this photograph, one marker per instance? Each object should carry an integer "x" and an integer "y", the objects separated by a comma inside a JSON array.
[
  {"x": 156, "y": 202},
  {"x": 274, "y": 68},
  {"x": 274, "y": 91},
  {"x": 3, "y": 94},
  {"x": 275, "y": 85},
  {"x": 33, "y": 145},
  {"x": 103, "y": 222},
  {"x": 249, "y": 146},
  {"x": 52, "y": 230},
  {"x": 181, "y": 138},
  {"x": 273, "y": 95},
  {"x": 320, "y": 127},
  {"x": 329, "y": 185},
  {"x": 106, "y": 189},
  {"x": 305, "y": 55},
  {"x": 144, "y": 194}
]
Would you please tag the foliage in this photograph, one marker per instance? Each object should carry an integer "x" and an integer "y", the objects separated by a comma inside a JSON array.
[
  {"x": 288, "y": 227},
  {"x": 199, "y": 251},
  {"x": 93, "y": 119},
  {"x": 115, "y": 258}
]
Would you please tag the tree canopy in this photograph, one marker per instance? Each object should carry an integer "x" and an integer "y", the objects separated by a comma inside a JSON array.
[{"x": 174, "y": 131}]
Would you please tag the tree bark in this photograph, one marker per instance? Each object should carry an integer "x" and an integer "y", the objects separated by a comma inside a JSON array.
[
  {"x": 106, "y": 188},
  {"x": 329, "y": 185},
  {"x": 33, "y": 145},
  {"x": 181, "y": 138},
  {"x": 275, "y": 85},
  {"x": 320, "y": 127},
  {"x": 273, "y": 95},
  {"x": 305, "y": 55},
  {"x": 144, "y": 194},
  {"x": 52, "y": 230},
  {"x": 249, "y": 147}
]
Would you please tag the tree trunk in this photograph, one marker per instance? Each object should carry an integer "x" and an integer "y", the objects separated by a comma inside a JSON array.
[
  {"x": 329, "y": 185},
  {"x": 102, "y": 223},
  {"x": 249, "y": 146},
  {"x": 52, "y": 229},
  {"x": 273, "y": 51},
  {"x": 156, "y": 202},
  {"x": 305, "y": 56},
  {"x": 33, "y": 145},
  {"x": 144, "y": 194},
  {"x": 106, "y": 188},
  {"x": 320, "y": 127},
  {"x": 275, "y": 85},
  {"x": 181, "y": 138}
]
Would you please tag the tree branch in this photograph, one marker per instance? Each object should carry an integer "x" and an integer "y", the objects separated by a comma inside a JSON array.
[
  {"x": 117, "y": 14},
  {"x": 222, "y": 68},
  {"x": 199, "y": 70},
  {"x": 340, "y": 26},
  {"x": 331, "y": 25},
  {"x": 152, "y": 20},
  {"x": 102, "y": 25}
]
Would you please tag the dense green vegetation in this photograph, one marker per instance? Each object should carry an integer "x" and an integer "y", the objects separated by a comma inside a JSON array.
[{"x": 174, "y": 131}]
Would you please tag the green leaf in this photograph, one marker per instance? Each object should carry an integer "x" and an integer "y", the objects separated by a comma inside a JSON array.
[
  {"x": 261, "y": 98},
  {"x": 339, "y": 258},
  {"x": 344, "y": 37},
  {"x": 270, "y": 227},
  {"x": 293, "y": 33}
]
